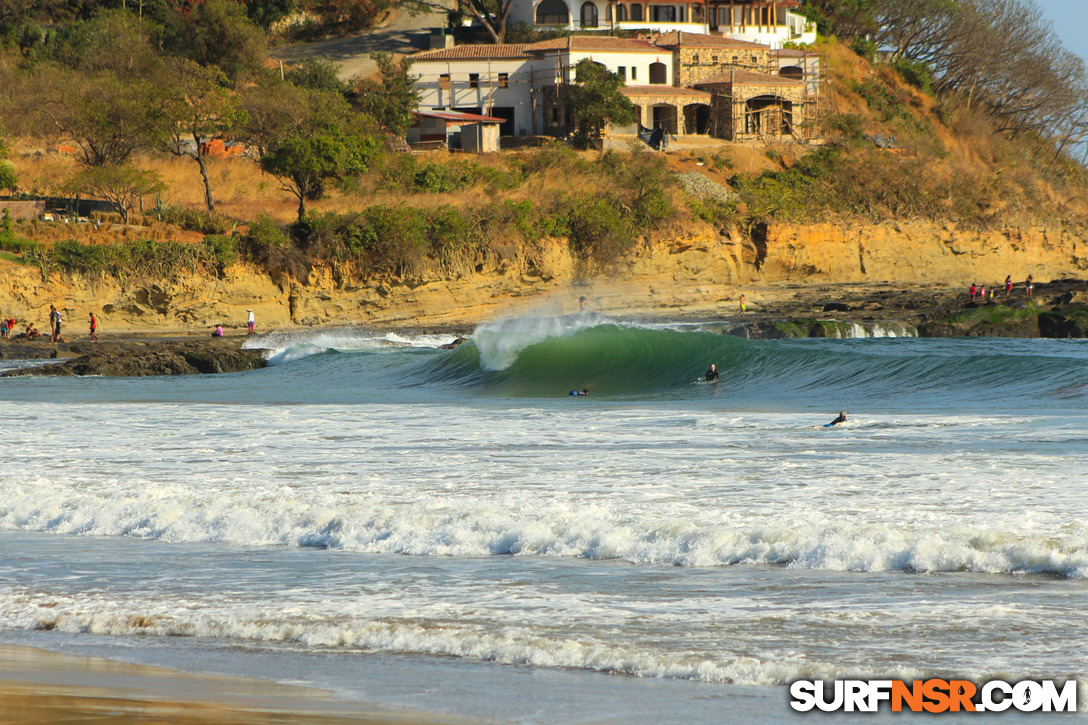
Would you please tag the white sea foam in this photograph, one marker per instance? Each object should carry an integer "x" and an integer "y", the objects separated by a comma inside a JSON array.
[
  {"x": 333, "y": 627},
  {"x": 500, "y": 341},
  {"x": 284, "y": 347},
  {"x": 543, "y": 526}
]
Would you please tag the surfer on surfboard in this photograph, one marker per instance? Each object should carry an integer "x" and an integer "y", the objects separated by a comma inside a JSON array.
[
  {"x": 712, "y": 373},
  {"x": 840, "y": 419}
]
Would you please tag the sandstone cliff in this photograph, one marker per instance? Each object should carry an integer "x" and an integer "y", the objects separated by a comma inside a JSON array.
[{"x": 699, "y": 275}]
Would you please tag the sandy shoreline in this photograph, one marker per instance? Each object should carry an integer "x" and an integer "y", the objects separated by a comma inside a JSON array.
[{"x": 39, "y": 686}]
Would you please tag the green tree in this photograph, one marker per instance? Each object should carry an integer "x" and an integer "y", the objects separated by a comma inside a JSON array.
[
  {"x": 196, "y": 104},
  {"x": 596, "y": 100},
  {"x": 106, "y": 116},
  {"x": 119, "y": 184},
  {"x": 317, "y": 75},
  {"x": 392, "y": 100},
  {"x": 216, "y": 33},
  {"x": 307, "y": 138},
  {"x": 267, "y": 13},
  {"x": 8, "y": 178},
  {"x": 305, "y": 162}
]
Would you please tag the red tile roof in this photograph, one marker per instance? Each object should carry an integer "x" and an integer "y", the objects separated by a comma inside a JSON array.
[
  {"x": 747, "y": 78},
  {"x": 598, "y": 43},
  {"x": 475, "y": 52},
  {"x": 458, "y": 117},
  {"x": 635, "y": 91},
  {"x": 699, "y": 40}
]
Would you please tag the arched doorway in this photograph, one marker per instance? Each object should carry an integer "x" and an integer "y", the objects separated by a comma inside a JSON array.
[
  {"x": 659, "y": 74},
  {"x": 768, "y": 116},
  {"x": 552, "y": 12},
  {"x": 792, "y": 71},
  {"x": 589, "y": 15},
  {"x": 696, "y": 118},
  {"x": 664, "y": 116}
]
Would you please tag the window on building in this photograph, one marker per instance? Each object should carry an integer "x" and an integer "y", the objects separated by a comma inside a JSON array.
[
  {"x": 663, "y": 13},
  {"x": 659, "y": 74},
  {"x": 473, "y": 80},
  {"x": 621, "y": 14},
  {"x": 504, "y": 80},
  {"x": 552, "y": 12},
  {"x": 634, "y": 73},
  {"x": 444, "y": 81},
  {"x": 622, "y": 72},
  {"x": 636, "y": 12},
  {"x": 695, "y": 58},
  {"x": 589, "y": 15}
]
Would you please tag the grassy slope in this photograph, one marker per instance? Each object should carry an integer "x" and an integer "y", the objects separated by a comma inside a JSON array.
[{"x": 958, "y": 155}]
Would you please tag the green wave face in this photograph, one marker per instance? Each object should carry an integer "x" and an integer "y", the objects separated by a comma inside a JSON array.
[{"x": 543, "y": 357}]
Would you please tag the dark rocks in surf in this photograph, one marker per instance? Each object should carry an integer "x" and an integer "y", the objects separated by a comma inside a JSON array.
[
  {"x": 141, "y": 358},
  {"x": 453, "y": 345}
]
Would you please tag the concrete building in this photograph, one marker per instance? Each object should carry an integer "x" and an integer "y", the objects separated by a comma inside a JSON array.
[
  {"x": 769, "y": 22},
  {"x": 686, "y": 83}
]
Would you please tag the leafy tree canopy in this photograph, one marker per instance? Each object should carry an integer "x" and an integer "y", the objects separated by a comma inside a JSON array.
[
  {"x": 120, "y": 184},
  {"x": 393, "y": 100},
  {"x": 596, "y": 100}
]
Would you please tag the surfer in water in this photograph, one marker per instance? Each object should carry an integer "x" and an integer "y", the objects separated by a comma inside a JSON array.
[
  {"x": 840, "y": 419},
  {"x": 712, "y": 373},
  {"x": 575, "y": 393}
]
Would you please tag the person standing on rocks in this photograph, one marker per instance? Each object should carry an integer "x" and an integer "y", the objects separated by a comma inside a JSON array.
[
  {"x": 743, "y": 304},
  {"x": 251, "y": 321},
  {"x": 1029, "y": 286},
  {"x": 1008, "y": 285},
  {"x": 94, "y": 328},
  {"x": 57, "y": 337}
]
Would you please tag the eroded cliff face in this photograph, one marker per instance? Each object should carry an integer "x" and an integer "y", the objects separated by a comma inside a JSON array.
[{"x": 702, "y": 274}]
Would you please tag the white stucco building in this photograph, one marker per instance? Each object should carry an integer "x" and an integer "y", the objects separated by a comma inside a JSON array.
[
  {"x": 757, "y": 92},
  {"x": 517, "y": 82},
  {"x": 770, "y": 22}
]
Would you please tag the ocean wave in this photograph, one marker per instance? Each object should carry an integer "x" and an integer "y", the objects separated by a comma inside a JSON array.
[
  {"x": 371, "y": 523},
  {"x": 330, "y": 629},
  {"x": 286, "y": 347}
]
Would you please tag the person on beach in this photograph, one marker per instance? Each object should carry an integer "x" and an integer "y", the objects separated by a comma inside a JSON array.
[
  {"x": 582, "y": 304},
  {"x": 1029, "y": 286},
  {"x": 218, "y": 331},
  {"x": 1008, "y": 285},
  {"x": 31, "y": 331},
  {"x": 712, "y": 373},
  {"x": 94, "y": 328},
  {"x": 3, "y": 328},
  {"x": 974, "y": 291},
  {"x": 743, "y": 304},
  {"x": 56, "y": 318},
  {"x": 250, "y": 321}
]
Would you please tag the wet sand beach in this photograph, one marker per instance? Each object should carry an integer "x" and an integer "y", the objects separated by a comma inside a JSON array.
[{"x": 37, "y": 686}]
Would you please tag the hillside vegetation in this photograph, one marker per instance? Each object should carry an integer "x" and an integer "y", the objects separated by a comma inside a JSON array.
[{"x": 319, "y": 187}]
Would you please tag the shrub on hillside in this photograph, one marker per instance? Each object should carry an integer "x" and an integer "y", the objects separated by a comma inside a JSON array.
[{"x": 193, "y": 220}]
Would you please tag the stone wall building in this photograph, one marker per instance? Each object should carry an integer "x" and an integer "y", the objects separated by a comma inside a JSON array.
[
  {"x": 685, "y": 83},
  {"x": 749, "y": 106}
]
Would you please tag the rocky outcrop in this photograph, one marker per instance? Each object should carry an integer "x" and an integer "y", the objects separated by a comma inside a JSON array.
[
  {"x": 150, "y": 357},
  {"x": 693, "y": 274}
]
